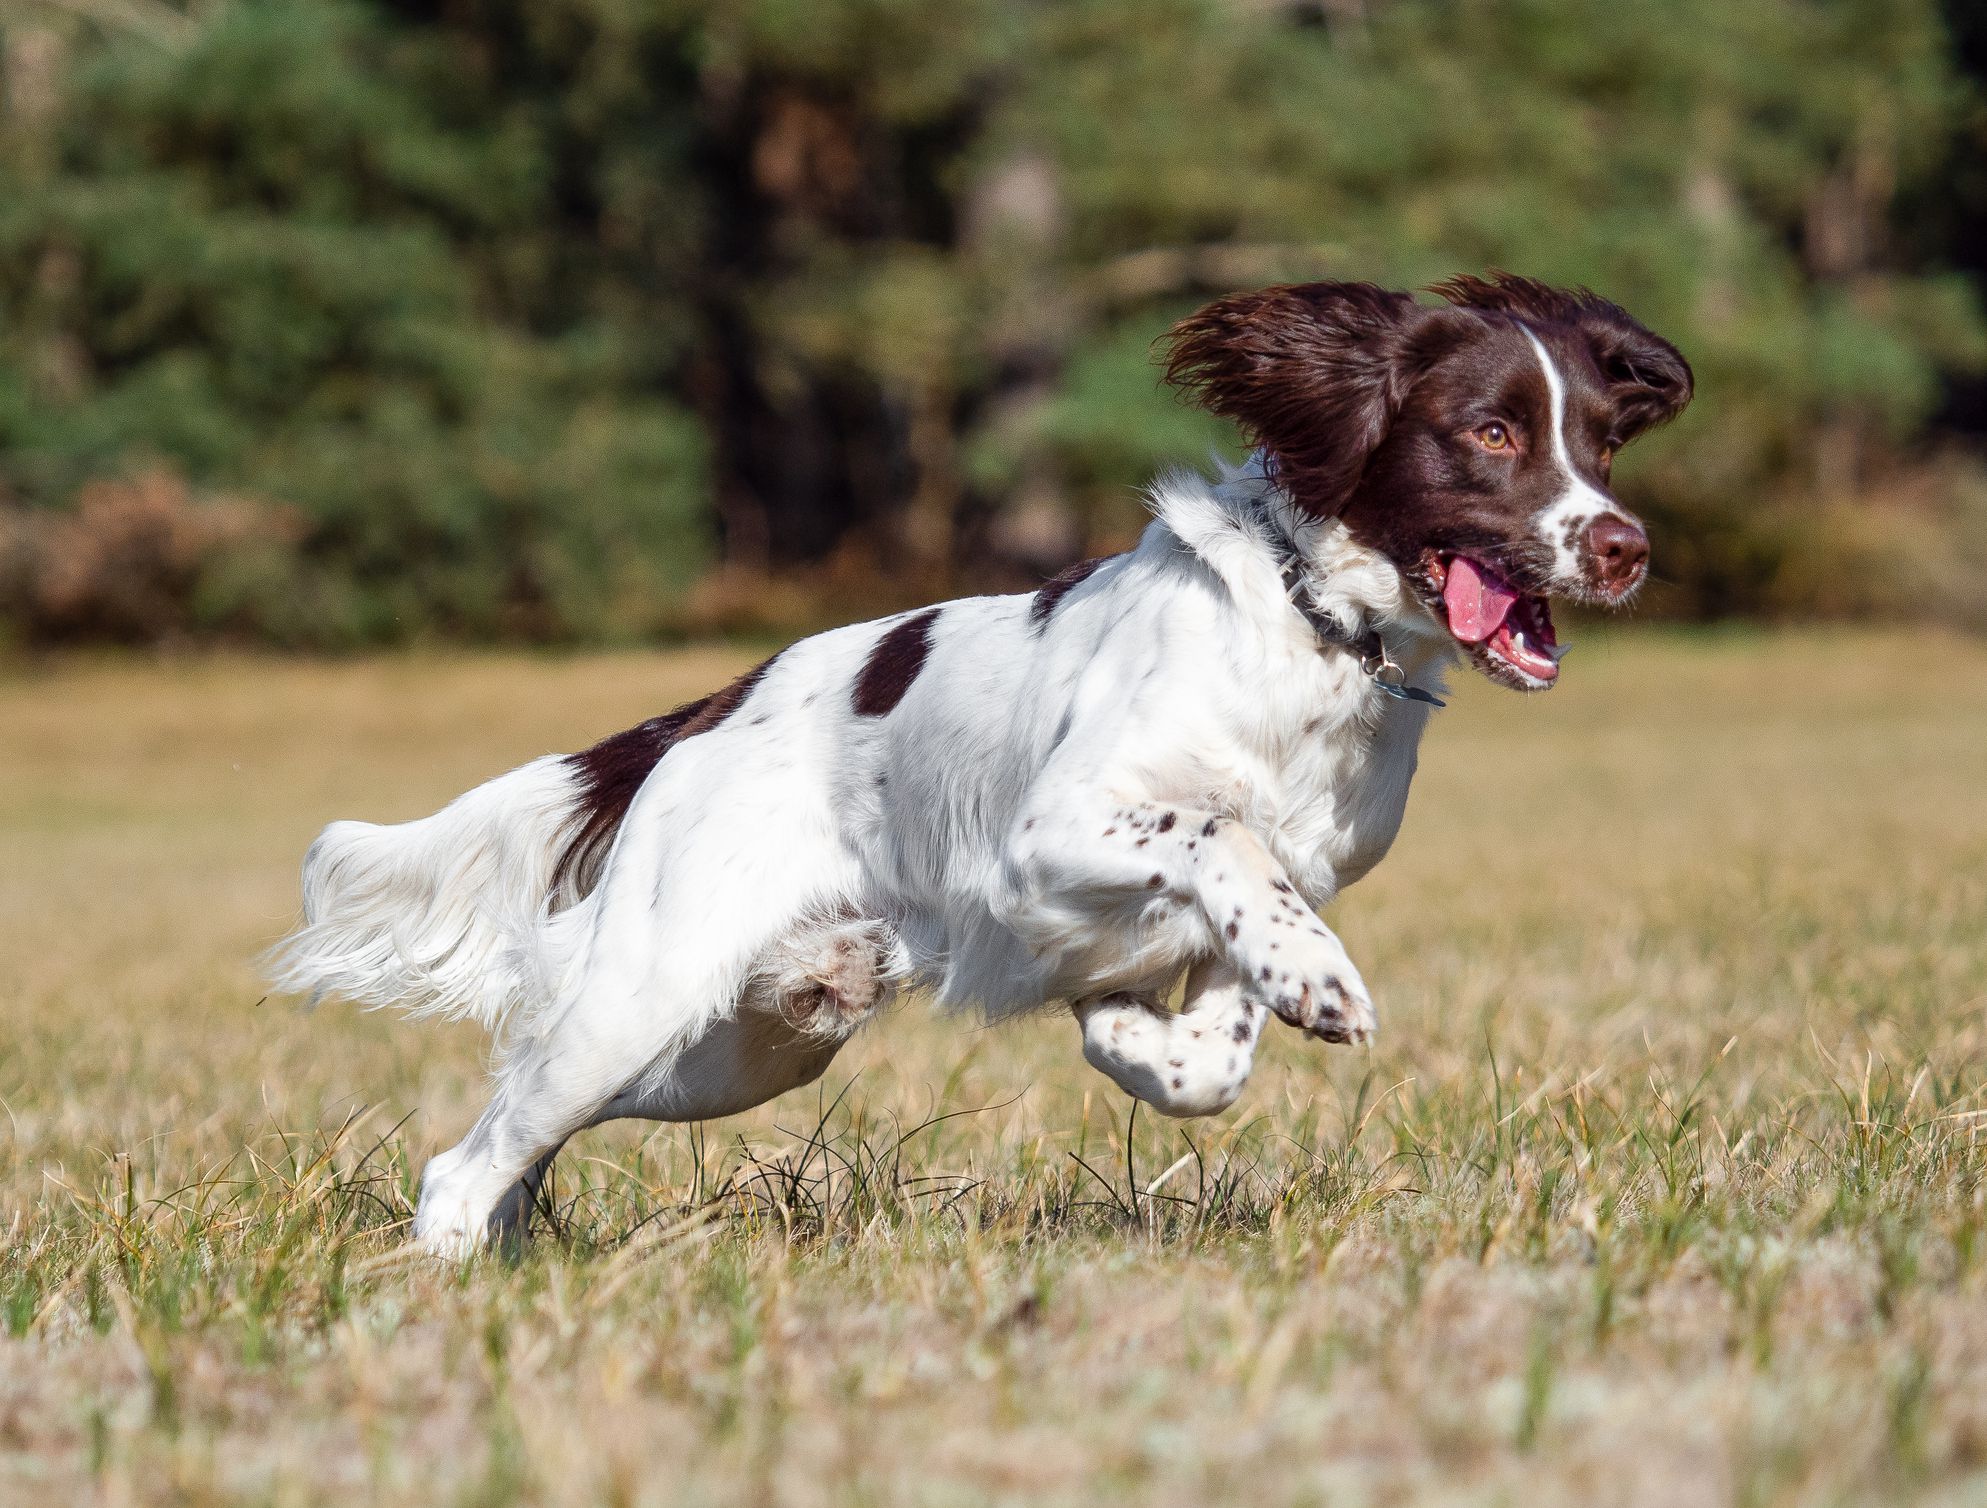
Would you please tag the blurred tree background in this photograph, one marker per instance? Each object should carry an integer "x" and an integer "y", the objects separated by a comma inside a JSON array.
[{"x": 327, "y": 323}]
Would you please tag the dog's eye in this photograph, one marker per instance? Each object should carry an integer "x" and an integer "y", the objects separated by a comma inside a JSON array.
[{"x": 1494, "y": 436}]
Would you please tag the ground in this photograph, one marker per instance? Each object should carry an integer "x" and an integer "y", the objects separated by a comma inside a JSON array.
[{"x": 1663, "y": 1184}]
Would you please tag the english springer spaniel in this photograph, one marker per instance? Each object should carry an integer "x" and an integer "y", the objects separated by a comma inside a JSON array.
[{"x": 1158, "y": 765}]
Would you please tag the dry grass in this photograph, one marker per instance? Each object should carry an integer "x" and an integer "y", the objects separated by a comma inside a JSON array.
[{"x": 1664, "y": 1185}]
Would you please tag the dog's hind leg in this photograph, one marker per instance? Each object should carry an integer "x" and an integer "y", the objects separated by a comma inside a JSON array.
[
  {"x": 483, "y": 1189},
  {"x": 1193, "y": 1063},
  {"x": 510, "y": 1222},
  {"x": 600, "y": 1065}
]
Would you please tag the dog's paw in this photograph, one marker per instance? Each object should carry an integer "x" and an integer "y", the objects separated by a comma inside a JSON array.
[
  {"x": 1182, "y": 1065},
  {"x": 453, "y": 1235},
  {"x": 1317, "y": 990},
  {"x": 452, "y": 1223}
]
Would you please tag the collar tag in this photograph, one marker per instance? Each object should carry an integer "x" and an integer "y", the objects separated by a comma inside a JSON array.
[
  {"x": 1404, "y": 693},
  {"x": 1389, "y": 677},
  {"x": 1371, "y": 649}
]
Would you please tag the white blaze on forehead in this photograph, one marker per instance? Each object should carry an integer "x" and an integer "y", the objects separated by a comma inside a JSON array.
[{"x": 1580, "y": 504}]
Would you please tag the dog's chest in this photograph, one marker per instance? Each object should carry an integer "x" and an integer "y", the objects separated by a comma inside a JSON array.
[{"x": 1336, "y": 799}]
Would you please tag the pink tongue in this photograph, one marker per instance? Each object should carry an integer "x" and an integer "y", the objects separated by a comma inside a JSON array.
[{"x": 1477, "y": 599}]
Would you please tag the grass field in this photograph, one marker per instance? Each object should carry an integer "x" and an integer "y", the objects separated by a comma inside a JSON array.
[{"x": 1663, "y": 1185}]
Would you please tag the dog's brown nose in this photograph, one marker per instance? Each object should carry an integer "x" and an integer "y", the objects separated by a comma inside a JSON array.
[{"x": 1619, "y": 550}]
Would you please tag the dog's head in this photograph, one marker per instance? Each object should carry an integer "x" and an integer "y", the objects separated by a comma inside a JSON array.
[{"x": 1469, "y": 442}]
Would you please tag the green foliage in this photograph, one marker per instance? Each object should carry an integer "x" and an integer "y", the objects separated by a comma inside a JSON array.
[
  {"x": 1725, "y": 171},
  {"x": 521, "y": 308},
  {"x": 290, "y": 257}
]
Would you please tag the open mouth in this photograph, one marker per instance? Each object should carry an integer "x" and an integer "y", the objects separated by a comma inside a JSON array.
[{"x": 1509, "y": 630}]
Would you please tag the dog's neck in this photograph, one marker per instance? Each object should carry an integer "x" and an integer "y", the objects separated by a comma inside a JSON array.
[{"x": 1244, "y": 528}]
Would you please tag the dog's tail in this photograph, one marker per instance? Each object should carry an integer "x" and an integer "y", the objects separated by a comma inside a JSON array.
[{"x": 441, "y": 916}]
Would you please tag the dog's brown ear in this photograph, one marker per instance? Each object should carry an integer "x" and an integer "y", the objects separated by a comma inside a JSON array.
[
  {"x": 1647, "y": 377},
  {"x": 1314, "y": 373}
]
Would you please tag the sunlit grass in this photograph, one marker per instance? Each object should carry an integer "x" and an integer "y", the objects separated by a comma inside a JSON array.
[{"x": 1663, "y": 1184}]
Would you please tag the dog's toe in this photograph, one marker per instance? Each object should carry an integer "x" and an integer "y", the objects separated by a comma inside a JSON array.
[
  {"x": 1332, "y": 1009},
  {"x": 1346, "y": 1014}
]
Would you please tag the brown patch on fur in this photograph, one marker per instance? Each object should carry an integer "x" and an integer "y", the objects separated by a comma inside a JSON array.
[
  {"x": 893, "y": 664},
  {"x": 613, "y": 770},
  {"x": 1312, "y": 372},
  {"x": 1051, "y": 592}
]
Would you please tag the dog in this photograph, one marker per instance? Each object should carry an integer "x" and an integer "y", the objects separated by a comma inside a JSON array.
[{"x": 1160, "y": 765}]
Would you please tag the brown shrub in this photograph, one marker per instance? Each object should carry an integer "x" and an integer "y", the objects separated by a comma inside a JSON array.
[
  {"x": 133, "y": 560},
  {"x": 1911, "y": 547}
]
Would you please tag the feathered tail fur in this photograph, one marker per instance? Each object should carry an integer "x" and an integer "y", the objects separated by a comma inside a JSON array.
[{"x": 440, "y": 916}]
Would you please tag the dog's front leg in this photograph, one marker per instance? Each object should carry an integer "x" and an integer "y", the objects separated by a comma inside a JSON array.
[
  {"x": 1194, "y": 1063},
  {"x": 1074, "y": 867}
]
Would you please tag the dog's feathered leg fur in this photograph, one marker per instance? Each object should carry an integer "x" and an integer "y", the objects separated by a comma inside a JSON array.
[{"x": 1074, "y": 855}]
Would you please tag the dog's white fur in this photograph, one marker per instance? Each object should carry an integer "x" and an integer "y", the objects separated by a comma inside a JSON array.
[
  {"x": 1169, "y": 776},
  {"x": 1581, "y": 505}
]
